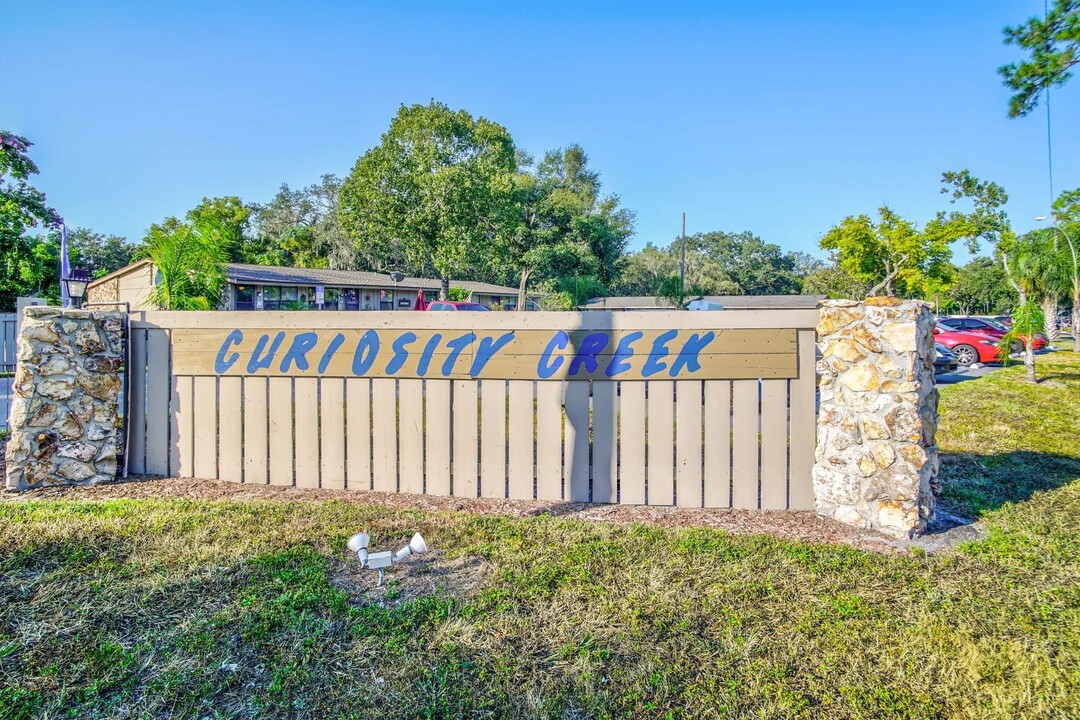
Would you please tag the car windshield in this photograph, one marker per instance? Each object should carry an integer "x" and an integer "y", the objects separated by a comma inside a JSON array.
[{"x": 997, "y": 326}]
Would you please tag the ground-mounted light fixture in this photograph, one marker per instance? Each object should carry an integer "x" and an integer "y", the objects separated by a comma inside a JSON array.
[
  {"x": 76, "y": 286},
  {"x": 358, "y": 544}
]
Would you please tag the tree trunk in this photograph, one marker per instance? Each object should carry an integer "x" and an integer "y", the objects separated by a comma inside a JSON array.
[
  {"x": 1029, "y": 351},
  {"x": 1050, "y": 321},
  {"x": 444, "y": 289},
  {"x": 1029, "y": 360},
  {"x": 1076, "y": 315},
  {"x": 525, "y": 274}
]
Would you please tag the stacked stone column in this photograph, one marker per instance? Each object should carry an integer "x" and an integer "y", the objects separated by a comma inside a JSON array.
[
  {"x": 67, "y": 415},
  {"x": 876, "y": 462}
]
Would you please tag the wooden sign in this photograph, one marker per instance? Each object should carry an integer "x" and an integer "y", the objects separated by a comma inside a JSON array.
[{"x": 614, "y": 354}]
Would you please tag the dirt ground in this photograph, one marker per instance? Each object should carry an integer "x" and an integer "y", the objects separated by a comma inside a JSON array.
[{"x": 803, "y": 526}]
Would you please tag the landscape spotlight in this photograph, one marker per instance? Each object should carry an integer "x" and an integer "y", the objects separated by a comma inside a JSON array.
[
  {"x": 415, "y": 546},
  {"x": 358, "y": 544}
]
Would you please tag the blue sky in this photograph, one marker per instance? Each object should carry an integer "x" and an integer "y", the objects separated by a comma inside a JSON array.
[{"x": 780, "y": 118}]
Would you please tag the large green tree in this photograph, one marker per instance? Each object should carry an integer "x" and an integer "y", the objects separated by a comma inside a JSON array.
[
  {"x": 980, "y": 287},
  {"x": 22, "y": 208},
  {"x": 440, "y": 185},
  {"x": 300, "y": 228},
  {"x": 229, "y": 216},
  {"x": 566, "y": 228},
  {"x": 834, "y": 282},
  {"x": 891, "y": 255},
  {"x": 1052, "y": 45}
]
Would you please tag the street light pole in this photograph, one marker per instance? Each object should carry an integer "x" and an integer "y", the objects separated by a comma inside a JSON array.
[{"x": 682, "y": 265}]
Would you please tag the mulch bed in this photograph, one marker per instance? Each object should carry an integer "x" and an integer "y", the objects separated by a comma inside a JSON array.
[{"x": 803, "y": 526}]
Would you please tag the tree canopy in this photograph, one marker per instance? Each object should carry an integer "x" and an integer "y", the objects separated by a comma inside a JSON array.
[
  {"x": 891, "y": 255},
  {"x": 1052, "y": 45},
  {"x": 440, "y": 185},
  {"x": 24, "y": 266}
]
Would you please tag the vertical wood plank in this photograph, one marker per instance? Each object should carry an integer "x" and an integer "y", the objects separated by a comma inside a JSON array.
[
  {"x": 576, "y": 464},
  {"x": 159, "y": 391},
  {"x": 466, "y": 439},
  {"x": 605, "y": 428},
  {"x": 206, "y": 412},
  {"x": 549, "y": 429},
  {"x": 332, "y": 433},
  {"x": 358, "y": 433},
  {"x": 803, "y": 425},
  {"x": 181, "y": 461},
  {"x": 411, "y": 435},
  {"x": 256, "y": 431},
  {"x": 135, "y": 458},
  {"x": 717, "y": 443},
  {"x": 384, "y": 434},
  {"x": 632, "y": 443},
  {"x": 307, "y": 431},
  {"x": 520, "y": 439},
  {"x": 661, "y": 442},
  {"x": 230, "y": 429},
  {"x": 493, "y": 438},
  {"x": 688, "y": 397},
  {"x": 744, "y": 480},
  {"x": 437, "y": 426},
  {"x": 774, "y": 446},
  {"x": 281, "y": 431}
]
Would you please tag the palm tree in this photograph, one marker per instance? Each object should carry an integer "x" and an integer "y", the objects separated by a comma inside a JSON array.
[
  {"x": 188, "y": 259},
  {"x": 1033, "y": 266}
]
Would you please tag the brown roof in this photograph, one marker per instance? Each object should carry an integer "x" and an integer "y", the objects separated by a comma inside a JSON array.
[
  {"x": 273, "y": 275},
  {"x": 117, "y": 273}
]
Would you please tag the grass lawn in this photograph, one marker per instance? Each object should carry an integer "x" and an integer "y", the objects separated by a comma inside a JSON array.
[{"x": 236, "y": 609}]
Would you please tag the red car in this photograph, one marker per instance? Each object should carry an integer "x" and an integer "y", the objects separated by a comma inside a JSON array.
[
  {"x": 455, "y": 306},
  {"x": 982, "y": 326},
  {"x": 968, "y": 347}
]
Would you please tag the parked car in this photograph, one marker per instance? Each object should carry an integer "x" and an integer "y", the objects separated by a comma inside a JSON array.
[
  {"x": 969, "y": 348},
  {"x": 456, "y": 306},
  {"x": 983, "y": 326},
  {"x": 944, "y": 360}
]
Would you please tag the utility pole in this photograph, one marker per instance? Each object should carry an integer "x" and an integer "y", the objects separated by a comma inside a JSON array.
[{"x": 682, "y": 265}]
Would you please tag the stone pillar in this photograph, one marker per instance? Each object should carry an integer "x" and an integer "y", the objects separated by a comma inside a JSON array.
[
  {"x": 877, "y": 462},
  {"x": 67, "y": 415}
]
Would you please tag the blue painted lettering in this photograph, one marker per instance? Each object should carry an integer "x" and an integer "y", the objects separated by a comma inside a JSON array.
[
  {"x": 301, "y": 346},
  {"x": 488, "y": 348},
  {"x": 457, "y": 345},
  {"x": 688, "y": 356},
  {"x": 623, "y": 353},
  {"x": 366, "y": 350},
  {"x": 255, "y": 362},
  {"x": 333, "y": 347},
  {"x": 222, "y": 363},
  {"x": 401, "y": 353},
  {"x": 586, "y": 354},
  {"x": 425, "y": 357},
  {"x": 655, "y": 362},
  {"x": 546, "y": 367}
]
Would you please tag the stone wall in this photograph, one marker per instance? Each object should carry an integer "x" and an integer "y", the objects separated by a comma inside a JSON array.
[
  {"x": 67, "y": 414},
  {"x": 877, "y": 462},
  {"x": 106, "y": 292}
]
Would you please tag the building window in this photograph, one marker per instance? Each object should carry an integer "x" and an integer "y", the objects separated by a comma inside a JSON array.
[
  {"x": 271, "y": 298},
  {"x": 245, "y": 297},
  {"x": 331, "y": 298}
]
